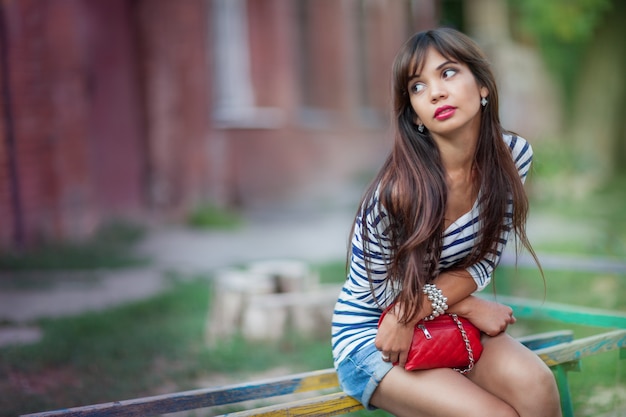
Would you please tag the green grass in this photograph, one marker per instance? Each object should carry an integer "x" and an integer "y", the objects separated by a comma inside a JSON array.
[
  {"x": 136, "y": 350},
  {"x": 208, "y": 216},
  {"x": 105, "y": 356},
  {"x": 110, "y": 247}
]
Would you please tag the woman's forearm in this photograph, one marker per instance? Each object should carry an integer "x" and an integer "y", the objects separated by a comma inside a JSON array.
[{"x": 457, "y": 286}]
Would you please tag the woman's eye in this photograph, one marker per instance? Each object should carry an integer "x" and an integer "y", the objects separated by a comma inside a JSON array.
[
  {"x": 417, "y": 87},
  {"x": 449, "y": 73}
]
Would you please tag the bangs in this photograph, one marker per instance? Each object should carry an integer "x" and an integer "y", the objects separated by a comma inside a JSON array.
[{"x": 414, "y": 57}]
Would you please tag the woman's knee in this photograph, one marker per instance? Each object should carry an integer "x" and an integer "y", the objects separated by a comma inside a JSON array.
[
  {"x": 500, "y": 409},
  {"x": 437, "y": 392},
  {"x": 537, "y": 383},
  {"x": 537, "y": 376},
  {"x": 518, "y": 376}
]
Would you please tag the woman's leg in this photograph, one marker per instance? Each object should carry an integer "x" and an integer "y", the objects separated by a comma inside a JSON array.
[
  {"x": 436, "y": 392},
  {"x": 516, "y": 375},
  {"x": 508, "y": 380}
]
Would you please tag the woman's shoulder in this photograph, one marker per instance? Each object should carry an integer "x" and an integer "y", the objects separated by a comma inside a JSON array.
[
  {"x": 521, "y": 151},
  {"x": 519, "y": 146}
]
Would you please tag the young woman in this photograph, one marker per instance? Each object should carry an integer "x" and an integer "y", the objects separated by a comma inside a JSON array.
[{"x": 439, "y": 213}]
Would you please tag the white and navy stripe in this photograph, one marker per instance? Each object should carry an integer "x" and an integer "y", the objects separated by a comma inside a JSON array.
[{"x": 356, "y": 315}]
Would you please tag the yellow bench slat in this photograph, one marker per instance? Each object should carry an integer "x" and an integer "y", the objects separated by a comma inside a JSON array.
[{"x": 325, "y": 405}]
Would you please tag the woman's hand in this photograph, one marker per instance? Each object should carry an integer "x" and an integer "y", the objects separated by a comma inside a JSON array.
[
  {"x": 490, "y": 317},
  {"x": 394, "y": 339}
]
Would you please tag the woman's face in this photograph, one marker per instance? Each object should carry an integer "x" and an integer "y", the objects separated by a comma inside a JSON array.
[{"x": 446, "y": 97}]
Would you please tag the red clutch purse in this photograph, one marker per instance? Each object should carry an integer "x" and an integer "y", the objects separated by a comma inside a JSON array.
[{"x": 448, "y": 341}]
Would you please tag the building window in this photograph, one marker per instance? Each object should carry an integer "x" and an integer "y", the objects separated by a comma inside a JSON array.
[{"x": 235, "y": 105}]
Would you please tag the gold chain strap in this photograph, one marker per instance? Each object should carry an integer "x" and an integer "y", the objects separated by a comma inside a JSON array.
[{"x": 468, "y": 346}]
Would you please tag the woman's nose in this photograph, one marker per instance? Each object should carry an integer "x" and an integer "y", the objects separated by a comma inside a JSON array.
[{"x": 438, "y": 91}]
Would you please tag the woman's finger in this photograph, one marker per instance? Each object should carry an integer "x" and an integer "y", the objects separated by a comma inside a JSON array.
[{"x": 402, "y": 357}]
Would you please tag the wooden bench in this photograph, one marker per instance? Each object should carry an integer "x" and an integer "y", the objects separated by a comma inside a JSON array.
[{"x": 557, "y": 349}]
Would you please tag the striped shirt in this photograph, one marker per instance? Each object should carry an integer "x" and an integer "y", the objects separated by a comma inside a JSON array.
[{"x": 355, "y": 319}]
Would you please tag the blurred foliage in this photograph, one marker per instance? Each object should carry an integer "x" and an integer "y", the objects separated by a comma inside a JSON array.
[
  {"x": 562, "y": 29},
  {"x": 452, "y": 14},
  {"x": 562, "y": 20},
  {"x": 110, "y": 247},
  {"x": 209, "y": 216},
  {"x": 552, "y": 159},
  {"x": 562, "y": 187},
  {"x": 332, "y": 272}
]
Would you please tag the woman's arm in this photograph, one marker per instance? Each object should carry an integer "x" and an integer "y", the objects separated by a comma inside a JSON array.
[
  {"x": 394, "y": 338},
  {"x": 490, "y": 317}
]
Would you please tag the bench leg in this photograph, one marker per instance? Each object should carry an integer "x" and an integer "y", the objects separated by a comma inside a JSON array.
[{"x": 567, "y": 407}]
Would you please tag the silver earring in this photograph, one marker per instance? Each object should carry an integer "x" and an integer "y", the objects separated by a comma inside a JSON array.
[
  {"x": 484, "y": 101},
  {"x": 420, "y": 127}
]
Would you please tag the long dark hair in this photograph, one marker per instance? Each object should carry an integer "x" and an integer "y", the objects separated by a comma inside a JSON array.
[{"x": 411, "y": 185}]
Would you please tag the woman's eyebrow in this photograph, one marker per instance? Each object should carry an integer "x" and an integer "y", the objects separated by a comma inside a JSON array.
[{"x": 443, "y": 64}]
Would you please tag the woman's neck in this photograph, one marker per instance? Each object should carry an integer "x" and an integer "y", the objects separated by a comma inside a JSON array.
[
  {"x": 457, "y": 155},
  {"x": 458, "y": 147}
]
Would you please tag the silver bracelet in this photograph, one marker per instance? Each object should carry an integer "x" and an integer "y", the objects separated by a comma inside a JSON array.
[{"x": 437, "y": 299}]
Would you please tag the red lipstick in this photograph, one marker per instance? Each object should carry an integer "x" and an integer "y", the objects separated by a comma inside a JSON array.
[{"x": 444, "y": 112}]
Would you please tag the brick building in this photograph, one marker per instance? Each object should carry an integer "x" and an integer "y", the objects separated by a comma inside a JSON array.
[{"x": 141, "y": 109}]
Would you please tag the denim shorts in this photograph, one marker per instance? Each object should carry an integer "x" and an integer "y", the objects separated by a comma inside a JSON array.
[{"x": 360, "y": 373}]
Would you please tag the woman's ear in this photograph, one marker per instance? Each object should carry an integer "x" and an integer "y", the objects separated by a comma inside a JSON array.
[{"x": 484, "y": 92}]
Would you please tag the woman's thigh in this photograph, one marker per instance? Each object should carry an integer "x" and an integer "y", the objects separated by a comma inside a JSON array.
[
  {"x": 516, "y": 375},
  {"x": 436, "y": 392}
]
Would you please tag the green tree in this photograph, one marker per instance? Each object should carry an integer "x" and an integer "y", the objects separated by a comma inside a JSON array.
[
  {"x": 562, "y": 30},
  {"x": 582, "y": 43}
]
